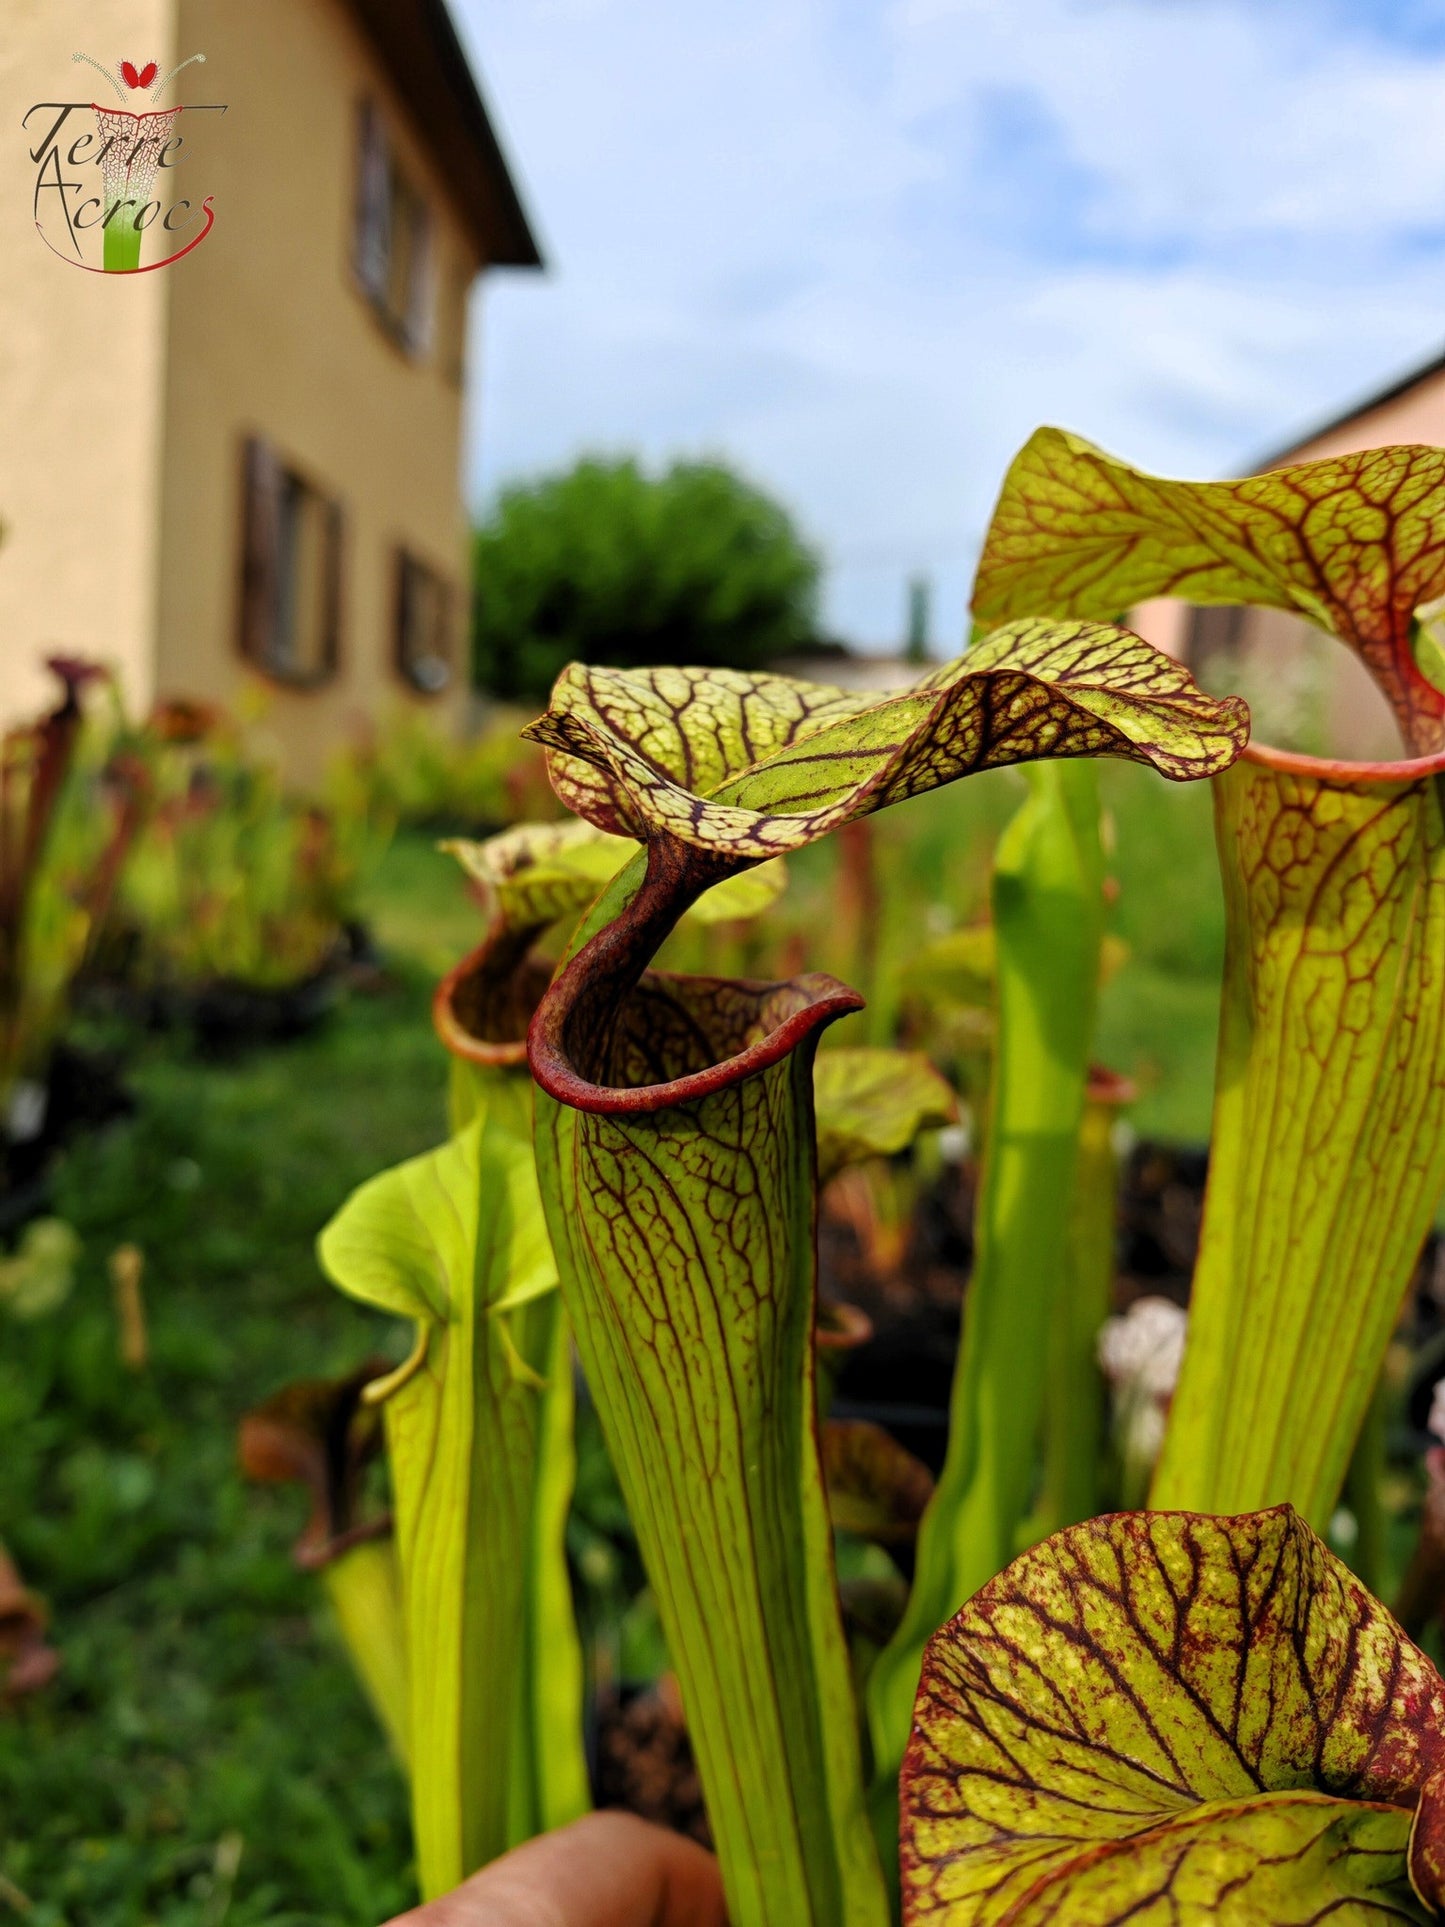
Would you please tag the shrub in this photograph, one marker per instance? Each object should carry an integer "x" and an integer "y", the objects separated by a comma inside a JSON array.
[{"x": 607, "y": 565}]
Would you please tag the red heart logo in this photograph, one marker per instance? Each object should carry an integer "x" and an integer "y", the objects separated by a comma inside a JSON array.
[{"x": 142, "y": 79}]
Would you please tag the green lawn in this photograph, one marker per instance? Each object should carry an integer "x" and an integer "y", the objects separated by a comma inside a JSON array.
[
  {"x": 1159, "y": 1016},
  {"x": 204, "y": 1709},
  {"x": 204, "y": 1756}
]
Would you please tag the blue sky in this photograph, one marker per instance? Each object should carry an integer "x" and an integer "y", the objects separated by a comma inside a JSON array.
[{"x": 862, "y": 247}]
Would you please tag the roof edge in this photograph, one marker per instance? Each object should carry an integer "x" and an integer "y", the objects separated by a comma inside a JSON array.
[
  {"x": 525, "y": 253},
  {"x": 418, "y": 48},
  {"x": 1365, "y": 406}
]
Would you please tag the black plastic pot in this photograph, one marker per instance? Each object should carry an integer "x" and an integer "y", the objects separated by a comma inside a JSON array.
[
  {"x": 84, "y": 1091},
  {"x": 227, "y": 1017}
]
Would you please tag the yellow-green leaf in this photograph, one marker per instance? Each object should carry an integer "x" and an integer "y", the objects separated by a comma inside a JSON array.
[
  {"x": 536, "y": 873},
  {"x": 684, "y": 1238},
  {"x": 751, "y": 766},
  {"x": 957, "y": 968},
  {"x": 739, "y": 898},
  {"x": 1355, "y": 543},
  {"x": 873, "y": 1103},
  {"x": 1328, "y": 1152},
  {"x": 1164, "y": 1718},
  {"x": 481, "y": 1465},
  {"x": 1074, "y": 1413},
  {"x": 364, "y": 1588}
]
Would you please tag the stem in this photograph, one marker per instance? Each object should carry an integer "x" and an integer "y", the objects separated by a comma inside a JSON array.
[
  {"x": 1076, "y": 1423},
  {"x": 1367, "y": 1557},
  {"x": 1048, "y": 918}
]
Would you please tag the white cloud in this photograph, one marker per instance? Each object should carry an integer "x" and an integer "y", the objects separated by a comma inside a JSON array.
[{"x": 863, "y": 248}]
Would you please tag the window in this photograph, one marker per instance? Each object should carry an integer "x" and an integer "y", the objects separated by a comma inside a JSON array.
[
  {"x": 1213, "y": 635},
  {"x": 290, "y": 572},
  {"x": 393, "y": 243},
  {"x": 452, "y": 321},
  {"x": 423, "y": 625}
]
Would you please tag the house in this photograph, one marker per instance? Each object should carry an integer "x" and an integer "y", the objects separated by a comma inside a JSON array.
[
  {"x": 246, "y": 465},
  {"x": 1280, "y": 659}
]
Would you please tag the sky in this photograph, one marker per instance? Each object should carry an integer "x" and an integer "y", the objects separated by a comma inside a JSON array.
[{"x": 862, "y": 248}]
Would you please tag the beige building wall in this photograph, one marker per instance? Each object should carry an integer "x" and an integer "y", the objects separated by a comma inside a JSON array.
[
  {"x": 1358, "y": 720},
  {"x": 1164, "y": 622},
  {"x": 81, "y": 384},
  {"x": 1418, "y": 415},
  {"x": 269, "y": 335},
  {"x": 1290, "y": 669}
]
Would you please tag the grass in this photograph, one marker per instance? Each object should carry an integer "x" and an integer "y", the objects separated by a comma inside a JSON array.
[
  {"x": 204, "y": 1756},
  {"x": 1158, "y": 1017}
]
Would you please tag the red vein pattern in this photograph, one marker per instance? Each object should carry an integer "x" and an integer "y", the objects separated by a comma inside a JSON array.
[
  {"x": 1330, "y": 1095},
  {"x": 752, "y": 766},
  {"x": 1355, "y": 543},
  {"x": 684, "y": 1236},
  {"x": 1167, "y": 1718},
  {"x": 1329, "y": 1131},
  {"x": 675, "y": 1144}
]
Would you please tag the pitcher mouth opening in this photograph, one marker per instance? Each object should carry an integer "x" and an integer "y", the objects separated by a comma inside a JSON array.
[
  {"x": 785, "y": 1015},
  {"x": 1339, "y": 769},
  {"x": 482, "y": 1007},
  {"x": 614, "y": 1037}
]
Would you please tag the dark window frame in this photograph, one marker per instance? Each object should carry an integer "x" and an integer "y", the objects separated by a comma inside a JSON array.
[
  {"x": 383, "y": 184},
  {"x": 453, "y": 308},
  {"x": 1213, "y": 633},
  {"x": 410, "y": 572},
  {"x": 266, "y": 478}
]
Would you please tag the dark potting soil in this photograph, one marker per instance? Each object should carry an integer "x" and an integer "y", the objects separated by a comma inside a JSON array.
[
  {"x": 902, "y": 1376},
  {"x": 1161, "y": 1205},
  {"x": 643, "y": 1760},
  {"x": 227, "y": 1018}
]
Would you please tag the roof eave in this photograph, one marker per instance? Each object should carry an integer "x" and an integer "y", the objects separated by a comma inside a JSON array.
[
  {"x": 418, "y": 45},
  {"x": 1367, "y": 406}
]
